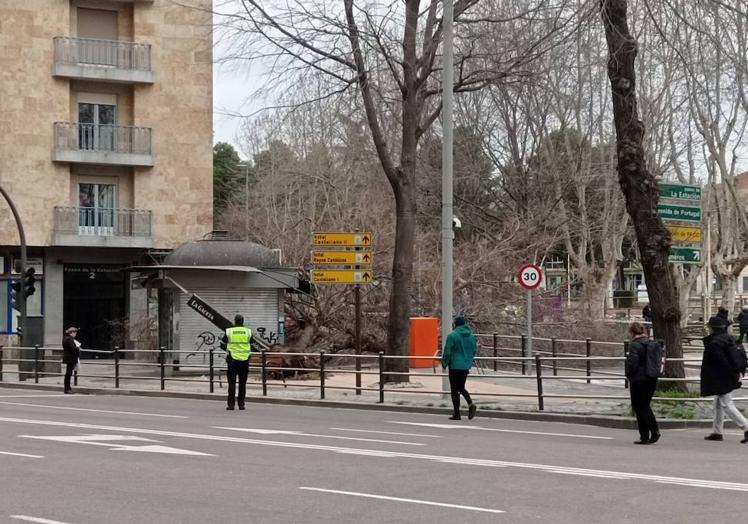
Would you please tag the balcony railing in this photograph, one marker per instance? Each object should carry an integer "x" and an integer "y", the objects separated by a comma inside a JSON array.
[
  {"x": 113, "y": 60},
  {"x": 102, "y": 144},
  {"x": 99, "y": 221}
]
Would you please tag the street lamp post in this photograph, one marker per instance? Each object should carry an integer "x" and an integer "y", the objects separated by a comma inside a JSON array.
[
  {"x": 447, "y": 184},
  {"x": 22, "y": 275}
]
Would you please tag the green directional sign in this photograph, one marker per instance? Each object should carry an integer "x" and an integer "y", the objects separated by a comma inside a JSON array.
[
  {"x": 685, "y": 213},
  {"x": 680, "y": 191},
  {"x": 684, "y": 254}
]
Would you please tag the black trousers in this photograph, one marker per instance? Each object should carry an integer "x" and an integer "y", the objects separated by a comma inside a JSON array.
[
  {"x": 237, "y": 369},
  {"x": 457, "y": 378},
  {"x": 68, "y": 373},
  {"x": 642, "y": 392}
]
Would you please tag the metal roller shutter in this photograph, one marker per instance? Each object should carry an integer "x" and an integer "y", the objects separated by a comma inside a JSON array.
[{"x": 260, "y": 307}]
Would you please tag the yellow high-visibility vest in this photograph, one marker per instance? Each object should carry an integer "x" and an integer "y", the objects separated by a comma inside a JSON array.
[{"x": 238, "y": 342}]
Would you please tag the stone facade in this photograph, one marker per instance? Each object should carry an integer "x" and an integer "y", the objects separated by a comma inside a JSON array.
[
  {"x": 177, "y": 106},
  {"x": 81, "y": 281}
]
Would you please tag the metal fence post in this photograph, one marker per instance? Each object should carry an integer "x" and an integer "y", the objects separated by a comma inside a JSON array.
[
  {"x": 625, "y": 356},
  {"x": 539, "y": 378},
  {"x": 264, "y": 373},
  {"x": 495, "y": 351},
  {"x": 524, "y": 354},
  {"x": 1, "y": 363},
  {"x": 381, "y": 377},
  {"x": 555, "y": 354},
  {"x": 322, "y": 374},
  {"x": 588, "y": 351},
  {"x": 116, "y": 367},
  {"x": 162, "y": 364},
  {"x": 36, "y": 363},
  {"x": 210, "y": 369}
]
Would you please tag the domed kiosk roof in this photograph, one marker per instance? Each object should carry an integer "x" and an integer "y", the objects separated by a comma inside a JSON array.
[{"x": 222, "y": 253}]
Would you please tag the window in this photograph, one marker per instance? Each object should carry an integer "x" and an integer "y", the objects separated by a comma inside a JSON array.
[
  {"x": 96, "y": 205},
  {"x": 745, "y": 284},
  {"x": 96, "y": 126}
]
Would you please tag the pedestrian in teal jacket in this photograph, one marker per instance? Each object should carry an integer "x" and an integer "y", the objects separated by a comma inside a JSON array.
[{"x": 458, "y": 355}]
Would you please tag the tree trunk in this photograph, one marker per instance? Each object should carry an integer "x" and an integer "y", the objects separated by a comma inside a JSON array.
[
  {"x": 402, "y": 276},
  {"x": 729, "y": 283},
  {"x": 685, "y": 285},
  {"x": 595, "y": 294},
  {"x": 639, "y": 186}
]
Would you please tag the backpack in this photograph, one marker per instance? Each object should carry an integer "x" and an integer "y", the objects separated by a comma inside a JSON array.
[
  {"x": 654, "y": 367},
  {"x": 741, "y": 358}
]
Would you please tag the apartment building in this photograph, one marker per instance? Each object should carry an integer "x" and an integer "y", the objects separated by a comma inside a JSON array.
[{"x": 106, "y": 121}]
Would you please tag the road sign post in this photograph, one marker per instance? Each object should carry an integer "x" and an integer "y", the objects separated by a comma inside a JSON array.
[
  {"x": 688, "y": 255},
  {"x": 530, "y": 276},
  {"x": 346, "y": 259},
  {"x": 676, "y": 212},
  {"x": 680, "y": 192}
]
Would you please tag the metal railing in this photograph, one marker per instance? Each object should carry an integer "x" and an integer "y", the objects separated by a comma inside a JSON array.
[
  {"x": 102, "y": 53},
  {"x": 98, "y": 221},
  {"x": 74, "y": 136},
  {"x": 264, "y": 362}
]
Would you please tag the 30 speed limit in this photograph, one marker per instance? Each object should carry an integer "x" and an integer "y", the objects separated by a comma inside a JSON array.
[{"x": 530, "y": 276}]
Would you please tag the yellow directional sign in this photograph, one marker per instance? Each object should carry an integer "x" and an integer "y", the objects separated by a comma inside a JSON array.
[
  {"x": 684, "y": 233},
  {"x": 363, "y": 258},
  {"x": 341, "y": 276},
  {"x": 342, "y": 239}
]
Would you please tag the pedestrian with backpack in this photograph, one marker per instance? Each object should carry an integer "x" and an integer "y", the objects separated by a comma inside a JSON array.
[
  {"x": 720, "y": 375},
  {"x": 643, "y": 366}
]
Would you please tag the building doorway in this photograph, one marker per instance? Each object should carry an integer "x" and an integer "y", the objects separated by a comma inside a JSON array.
[{"x": 94, "y": 301}]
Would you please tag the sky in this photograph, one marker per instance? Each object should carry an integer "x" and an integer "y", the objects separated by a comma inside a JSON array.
[{"x": 232, "y": 95}]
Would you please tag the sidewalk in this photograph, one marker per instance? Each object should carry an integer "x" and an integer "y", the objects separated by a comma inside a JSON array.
[{"x": 510, "y": 392}]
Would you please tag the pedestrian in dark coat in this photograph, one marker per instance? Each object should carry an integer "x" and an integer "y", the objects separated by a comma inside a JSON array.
[
  {"x": 459, "y": 352},
  {"x": 647, "y": 313},
  {"x": 70, "y": 355},
  {"x": 641, "y": 387},
  {"x": 724, "y": 315},
  {"x": 743, "y": 323},
  {"x": 720, "y": 375}
]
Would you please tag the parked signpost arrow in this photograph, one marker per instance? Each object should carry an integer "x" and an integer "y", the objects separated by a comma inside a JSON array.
[{"x": 684, "y": 254}]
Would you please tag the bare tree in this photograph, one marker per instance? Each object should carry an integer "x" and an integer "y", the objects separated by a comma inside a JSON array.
[
  {"x": 390, "y": 54},
  {"x": 637, "y": 182}
]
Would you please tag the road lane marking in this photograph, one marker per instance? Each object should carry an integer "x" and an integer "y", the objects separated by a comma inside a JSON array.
[
  {"x": 111, "y": 442},
  {"x": 479, "y": 428},
  {"x": 387, "y": 432},
  {"x": 93, "y": 410},
  {"x": 21, "y": 455},
  {"x": 36, "y": 519},
  {"x": 314, "y": 435},
  {"x": 33, "y": 396},
  {"x": 398, "y": 499},
  {"x": 677, "y": 481}
]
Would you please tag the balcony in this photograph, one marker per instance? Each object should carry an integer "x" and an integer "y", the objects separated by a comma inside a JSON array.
[
  {"x": 102, "y": 227},
  {"x": 102, "y": 60},
  {"x": 102, "y": 144}
]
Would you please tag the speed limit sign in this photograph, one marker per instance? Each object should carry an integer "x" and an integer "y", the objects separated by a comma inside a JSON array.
[{"x": 529, "y": 276}]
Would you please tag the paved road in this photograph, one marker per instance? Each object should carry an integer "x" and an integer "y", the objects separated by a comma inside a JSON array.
[{"x": 113, "y": 459}]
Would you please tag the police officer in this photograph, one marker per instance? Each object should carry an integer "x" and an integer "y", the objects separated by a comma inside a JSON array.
[{"x": 237, "y": 342}]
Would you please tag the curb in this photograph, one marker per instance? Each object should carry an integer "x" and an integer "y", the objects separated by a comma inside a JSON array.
[{"x": 589, "y": 420}]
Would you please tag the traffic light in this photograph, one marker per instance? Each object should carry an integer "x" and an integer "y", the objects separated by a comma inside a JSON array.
[
  {"x": 30, "y": 281},
  {"x": 29, "y": 289},
  {"x": 15, "y": 295}
]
